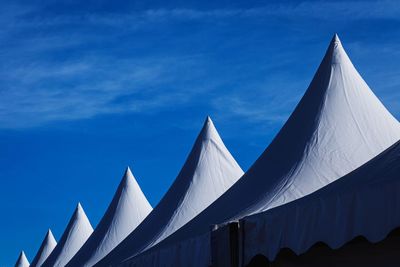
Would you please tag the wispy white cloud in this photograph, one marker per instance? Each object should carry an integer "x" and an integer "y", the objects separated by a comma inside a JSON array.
[
  {"x": 269, "y": 101},
  {"x": 37, "y": 94},
  {"x": 325, "y": 10},
  {"x": 36, "y": 89},
  {"x": 337, "y": 10}
]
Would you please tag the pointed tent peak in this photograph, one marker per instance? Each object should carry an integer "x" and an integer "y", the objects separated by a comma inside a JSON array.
[
  {"x": 129, "y": 187},
  {"x": 78, "y": 208},
  {"x": 79, "y": 212},
  {"x": 22, "y": 260},
  {"x": 128, "y": 173},
  {"x": 128, "y": 170},
  {"x": 22, "y": 255},
  {"x": 209, "y": 123},
  {"x": 126, "y": 211},
  {"x": 47, "y": 246},
  {"x": 336, "y": 53},
  {"x": 128, "y": 179},
  {"x": 208, "y": 128},
  {"x": 209, "y": 131},
  {"x": 335, "y": 39},
  {"x": 49, "y": 235},
  {"x": 75, "y": 235},
  {"x": 128, "y": 176}
]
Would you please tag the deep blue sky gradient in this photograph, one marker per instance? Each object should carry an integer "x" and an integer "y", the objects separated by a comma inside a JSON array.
[{"x": 90, "y": 87}]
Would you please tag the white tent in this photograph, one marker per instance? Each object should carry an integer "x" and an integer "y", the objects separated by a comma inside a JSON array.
[
  {"x": 47, "y": 246},
  {"x": 207, "y": 173},
  {"x": 338, "y": 125},
  {"x": 77, "y": 232},
  {"x": 127, "y": 210},
  {"x": 366, "y": 202},
  {"x": 22, "y": 260}
]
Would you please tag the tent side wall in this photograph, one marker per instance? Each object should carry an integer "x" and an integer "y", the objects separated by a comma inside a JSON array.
[
  {"x": 227, "y": 251},
  {"x": 358, "y": 252},
  {"x": 334, "y": 221}
]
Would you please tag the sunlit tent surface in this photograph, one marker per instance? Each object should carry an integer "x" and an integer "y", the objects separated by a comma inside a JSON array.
[
  {"x": 127, "y": 210},
  {"x": 338, "y": 125},
  {"x": 47, "y": 246},
  {"x": 22, "y": 260},
  {"x": 77, "y": 232},
  {"x": 207, "y": 173},
  {"x": 366, "y": 202}
]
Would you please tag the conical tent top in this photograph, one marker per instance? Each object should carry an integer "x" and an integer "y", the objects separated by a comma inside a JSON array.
[
  {"x": 22, "y": 260},
  {"x": 338, "y": 125},
  {"x": 209, "y": 131},
  {"x": 128, "y": 175},
  {"x": 49, "y": 233},
  {"x": 79, "y": 212},
  {"x": 209, "y": 170},
  {"x": 75, "y": 235},
  {"x": 47, "y": 246},
  {"x": 50, "y": 237},
  {"x": 336, "y": 39},
  {"x": 126, "y": 211}
]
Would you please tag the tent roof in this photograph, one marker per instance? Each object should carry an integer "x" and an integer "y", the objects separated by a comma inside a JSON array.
[
  {"x": 362, "y": 203},
  {"x": 22, "y": 260},
  {"x": 127, "y": 209},
  {"x": 76, "y": 233},
  {"x": 47, "y": 246},
  {"x": 338, "y": 125},
  {"x": 207, "y": 173}
]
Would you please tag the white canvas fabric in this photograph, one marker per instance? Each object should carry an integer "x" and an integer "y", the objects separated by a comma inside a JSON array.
[
  {"x": 22, "y": 260},
  {"x": 47, "y": 246},
  {"x": 77, "y": 232},
  {"x": 338, "y": 125},
  {"x": 126, "y": 211},
  {"x": 366, "y": 202},
  {"x": 207, "y": 173}
]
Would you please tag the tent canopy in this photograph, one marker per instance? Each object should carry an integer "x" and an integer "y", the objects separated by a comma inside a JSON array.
[
  {"x": 126, "y": 211},
  {"x": 363, "y": 203},
  {"x": 338, "y": 125},
  {"x": 76, "y": 233},
  {"x": 208, "y": 172},
  {"x": 22, "y": 260},
  {"x": 47, "y": 246}
]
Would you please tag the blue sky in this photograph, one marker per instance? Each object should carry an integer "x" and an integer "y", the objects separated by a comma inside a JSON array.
[{"x": 90, "y": 87}]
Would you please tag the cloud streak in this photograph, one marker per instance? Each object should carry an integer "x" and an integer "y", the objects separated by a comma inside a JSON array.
[
  {"x": 37, "y": 94},
  {"x": 30, "y": 16},
  {"x": 70, "y": 66}
]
